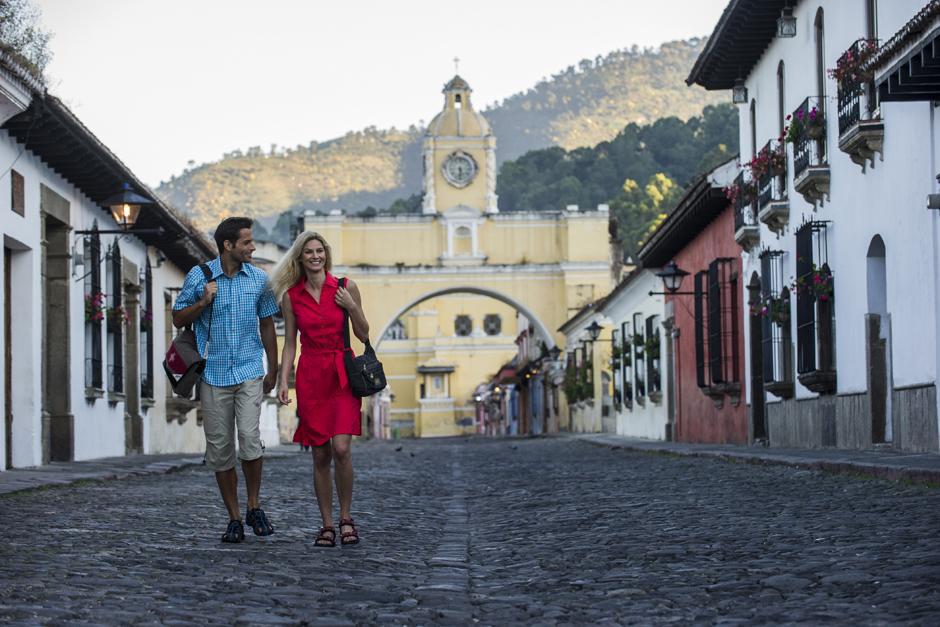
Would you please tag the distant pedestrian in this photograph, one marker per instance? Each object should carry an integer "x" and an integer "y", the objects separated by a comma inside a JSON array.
[
  {"x": 232, "y": 312},
  {"x": 312, "y": 301}
]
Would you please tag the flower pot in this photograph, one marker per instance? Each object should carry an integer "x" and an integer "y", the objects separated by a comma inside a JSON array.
[{"x": 816, "y": 131}]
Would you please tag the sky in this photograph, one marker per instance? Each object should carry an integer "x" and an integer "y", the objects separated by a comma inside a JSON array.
[{"x": 166, "y": 82}]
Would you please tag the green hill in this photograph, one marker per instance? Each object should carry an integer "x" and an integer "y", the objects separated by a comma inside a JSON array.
[{"x": 580, "y": 106}]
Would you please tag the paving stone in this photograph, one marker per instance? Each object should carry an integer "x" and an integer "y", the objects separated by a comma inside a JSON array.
[{"x": 552, "y": 531}]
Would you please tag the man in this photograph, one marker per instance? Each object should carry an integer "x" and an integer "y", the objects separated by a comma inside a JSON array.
[{"x": 232, "y": 311}]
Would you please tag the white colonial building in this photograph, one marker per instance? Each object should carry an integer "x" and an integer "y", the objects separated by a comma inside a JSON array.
[
  {"x": 839, "y": 137},
  {"x": 633, "y": 319},
  {"x": 84, "y": 303}
]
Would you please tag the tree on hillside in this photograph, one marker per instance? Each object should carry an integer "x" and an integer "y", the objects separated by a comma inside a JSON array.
[
  {"x": 639, "y": 209},
  {"x": 22, "y": 35}
]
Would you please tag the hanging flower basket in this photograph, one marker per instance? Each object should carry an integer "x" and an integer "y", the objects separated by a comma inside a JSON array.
[
  {"x": 94, "y": 307},
  {"x": 768, "y": 161},
  {"x": 811, "y": 124},
  {"x": 851, "y": 68}
]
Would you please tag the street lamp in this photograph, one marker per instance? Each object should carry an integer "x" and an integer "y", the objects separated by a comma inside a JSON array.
[
  {"x": 786, "y": 23},
  {"x": 125, "y": 207},
  {"x": 594, "y": 331},
  {"x": 672, "y": 276},
  {"x": 554, "y": 352},
  {"x": 739, "y": 92}
]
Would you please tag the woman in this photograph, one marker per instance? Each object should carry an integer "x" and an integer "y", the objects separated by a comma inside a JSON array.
[{"x": 312, "y": 302}]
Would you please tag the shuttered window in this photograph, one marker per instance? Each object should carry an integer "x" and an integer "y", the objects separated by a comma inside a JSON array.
[{"x": 716, "y": 324}]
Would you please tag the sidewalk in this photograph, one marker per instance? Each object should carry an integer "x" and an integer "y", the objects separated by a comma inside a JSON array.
[
  {"x": 920, "y": 468},
  {"x": 64, "y": 473}
]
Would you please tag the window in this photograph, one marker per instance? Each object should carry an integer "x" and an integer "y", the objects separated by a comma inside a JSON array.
[
  {"x": 492, "y": 324},
  {"x": 463, "y": 242},
  {"x": 146, "y": 333},
  {"x": 396, "y": 331},
  {"x": 94, "y": 309},
  {"x": 115, "y": 321},
  {"x": 716, "y": 327},
  {"x": 652, "y": 352},
  {"x": 463, "y": 326},
  {"x": 639, "y": 363},
  {"x": 781, "y": 103},
  {"x": 626, "y": 363},
  {"x": 815, "y": 303},
  {"x": 772, "y": 312},
  {"x": 18, "y": 193}
]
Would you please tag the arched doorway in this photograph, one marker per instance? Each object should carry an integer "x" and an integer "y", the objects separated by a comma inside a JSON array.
[{"x": 878, "y": 343}]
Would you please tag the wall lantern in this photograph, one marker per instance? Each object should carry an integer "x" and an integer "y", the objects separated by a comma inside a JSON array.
[
  {"x": 594, "y": 331},
  {"x": 786, "y": 23},
  {"x": 672, "y": 276},
  {"x": 554, "y": 352},
  {"x": 739, "y": 92},
  {"x": 125, "y": 206}
]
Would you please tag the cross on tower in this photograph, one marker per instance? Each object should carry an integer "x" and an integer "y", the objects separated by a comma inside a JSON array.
[{"x": 456, "y": 65}]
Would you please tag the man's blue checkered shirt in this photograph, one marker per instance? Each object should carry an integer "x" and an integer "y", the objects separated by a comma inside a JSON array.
[{"x": 235, "y": 350}]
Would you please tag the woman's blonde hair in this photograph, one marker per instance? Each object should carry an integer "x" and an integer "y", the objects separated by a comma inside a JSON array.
[{"x": 289, "y": 270}]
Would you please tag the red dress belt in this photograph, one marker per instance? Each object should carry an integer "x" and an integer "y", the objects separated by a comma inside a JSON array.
[{"x": 338, "y": 360}]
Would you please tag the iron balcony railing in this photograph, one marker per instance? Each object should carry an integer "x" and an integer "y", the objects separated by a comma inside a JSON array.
[
  {"x": 855, "y": 87},
  {"x": 808, "y": 134},
  {"x": 772, "y": 182},
  {"x": 744, "y": 209}
]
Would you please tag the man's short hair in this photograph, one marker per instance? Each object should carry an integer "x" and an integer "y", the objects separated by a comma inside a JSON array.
[{"x": 228, "y": 231}]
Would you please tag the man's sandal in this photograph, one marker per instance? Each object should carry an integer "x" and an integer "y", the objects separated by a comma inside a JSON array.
[
  {"x": 234, "y": 533},
  {"x": 258, "y": 521},
  {"x": 324, "y": 540},
  {"x": 349, "y": 537}
]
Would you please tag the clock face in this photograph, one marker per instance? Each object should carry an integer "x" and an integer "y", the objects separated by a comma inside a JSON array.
[{"x": 459, "y": 169}]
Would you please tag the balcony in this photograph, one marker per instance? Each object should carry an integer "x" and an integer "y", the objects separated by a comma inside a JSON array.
[
  {"x": 770, "y": 169},
  {"x": 807, "y": 133},
  {"x": 861, "y": 131},
  {"x": 742, "y": 194}
]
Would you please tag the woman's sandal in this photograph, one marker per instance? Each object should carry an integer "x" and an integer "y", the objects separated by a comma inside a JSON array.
[
  {"x": 349, "y": 537},
  {"x": 324, "y": 540}
]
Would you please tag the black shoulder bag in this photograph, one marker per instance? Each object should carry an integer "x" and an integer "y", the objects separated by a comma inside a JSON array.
[{"x": 365, "y": 373}]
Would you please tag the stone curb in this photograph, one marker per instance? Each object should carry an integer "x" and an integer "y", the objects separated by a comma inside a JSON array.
[
  {"x": 891, "y": 472},
  {"x": 23, "y": 480}
]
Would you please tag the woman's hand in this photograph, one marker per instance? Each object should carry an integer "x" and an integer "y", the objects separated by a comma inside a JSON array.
[
  {"x": 282, "y": 393},
  {"x": 345, "y": 300}
]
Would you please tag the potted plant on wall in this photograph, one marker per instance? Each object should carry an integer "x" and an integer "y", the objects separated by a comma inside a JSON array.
[
  {"x": 811, "y": 123},
  {"x": 851, "y": 68},
  {"x": 94, "y": 307},
  {"x": 117, "y": 316}
]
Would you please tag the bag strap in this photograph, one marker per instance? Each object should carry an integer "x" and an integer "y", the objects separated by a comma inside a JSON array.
[
  {"x": 342, "y": 283},
  {"x": 347, "y": 322},
  {"x": 207, "y": 273}
]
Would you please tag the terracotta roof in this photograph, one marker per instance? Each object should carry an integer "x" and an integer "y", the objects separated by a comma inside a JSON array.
[{"x": 906, "y": 35}]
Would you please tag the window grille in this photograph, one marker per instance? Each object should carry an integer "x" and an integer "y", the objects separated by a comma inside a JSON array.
[
  {"x": 815, "y": 302},
  {"x": 492, "y": 324},
  {"x": 776, "y": 334},
  {"x": 146, "y": 331},
  {"x": 716, "y": 325},
  {"x": 396, "y": 331},
  {"x": 93, "y": 296},
  {"x": 652, "y": 348},
  {"x": 626, "y": 362},
  {"x": 463, "y": 325},
  {"x": 639, "y": 357},
  {"x": 115, "y": 321}
]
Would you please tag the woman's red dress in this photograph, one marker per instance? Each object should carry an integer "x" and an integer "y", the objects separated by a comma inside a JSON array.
[{"x": 325, "y": 404}]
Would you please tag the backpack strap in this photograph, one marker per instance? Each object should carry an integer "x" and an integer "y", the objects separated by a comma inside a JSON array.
[{"x": 207, "y": 273}]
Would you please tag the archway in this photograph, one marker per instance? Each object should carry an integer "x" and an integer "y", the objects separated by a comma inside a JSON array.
[
  {"x": 878, "y": 342},
  {"x": 543, "y": 332}
]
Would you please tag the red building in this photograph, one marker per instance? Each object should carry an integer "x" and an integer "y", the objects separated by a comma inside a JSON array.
[{"x": 704, "y": 316}]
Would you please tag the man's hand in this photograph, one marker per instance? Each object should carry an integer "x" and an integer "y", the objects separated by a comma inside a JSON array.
[
  {"x": 209, "y": 295},
  {"x": 270, "y": 380}
]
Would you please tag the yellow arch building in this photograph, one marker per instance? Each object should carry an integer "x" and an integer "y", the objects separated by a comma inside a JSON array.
[{"x": 441, "y": 288}]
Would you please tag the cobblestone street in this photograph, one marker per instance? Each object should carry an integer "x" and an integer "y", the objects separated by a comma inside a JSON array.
[{"x": 489, "y": 531}]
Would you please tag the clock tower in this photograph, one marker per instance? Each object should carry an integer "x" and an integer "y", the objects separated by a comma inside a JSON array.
[{"x": 459, "y": 158}]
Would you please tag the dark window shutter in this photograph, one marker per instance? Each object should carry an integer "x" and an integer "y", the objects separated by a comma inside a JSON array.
[
  {"x": 94, "y": 246},
  {"x": 714, "y": 323},
  {"x": 767, "y": 336},
  {"x": 805, "y": 302},
  {"x": 699, "y": 330},
  {"x": 734, "y": 312}
]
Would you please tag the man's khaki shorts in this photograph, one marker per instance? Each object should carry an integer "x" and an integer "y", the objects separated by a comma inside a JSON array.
[{"x": 224, "y": 409}]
